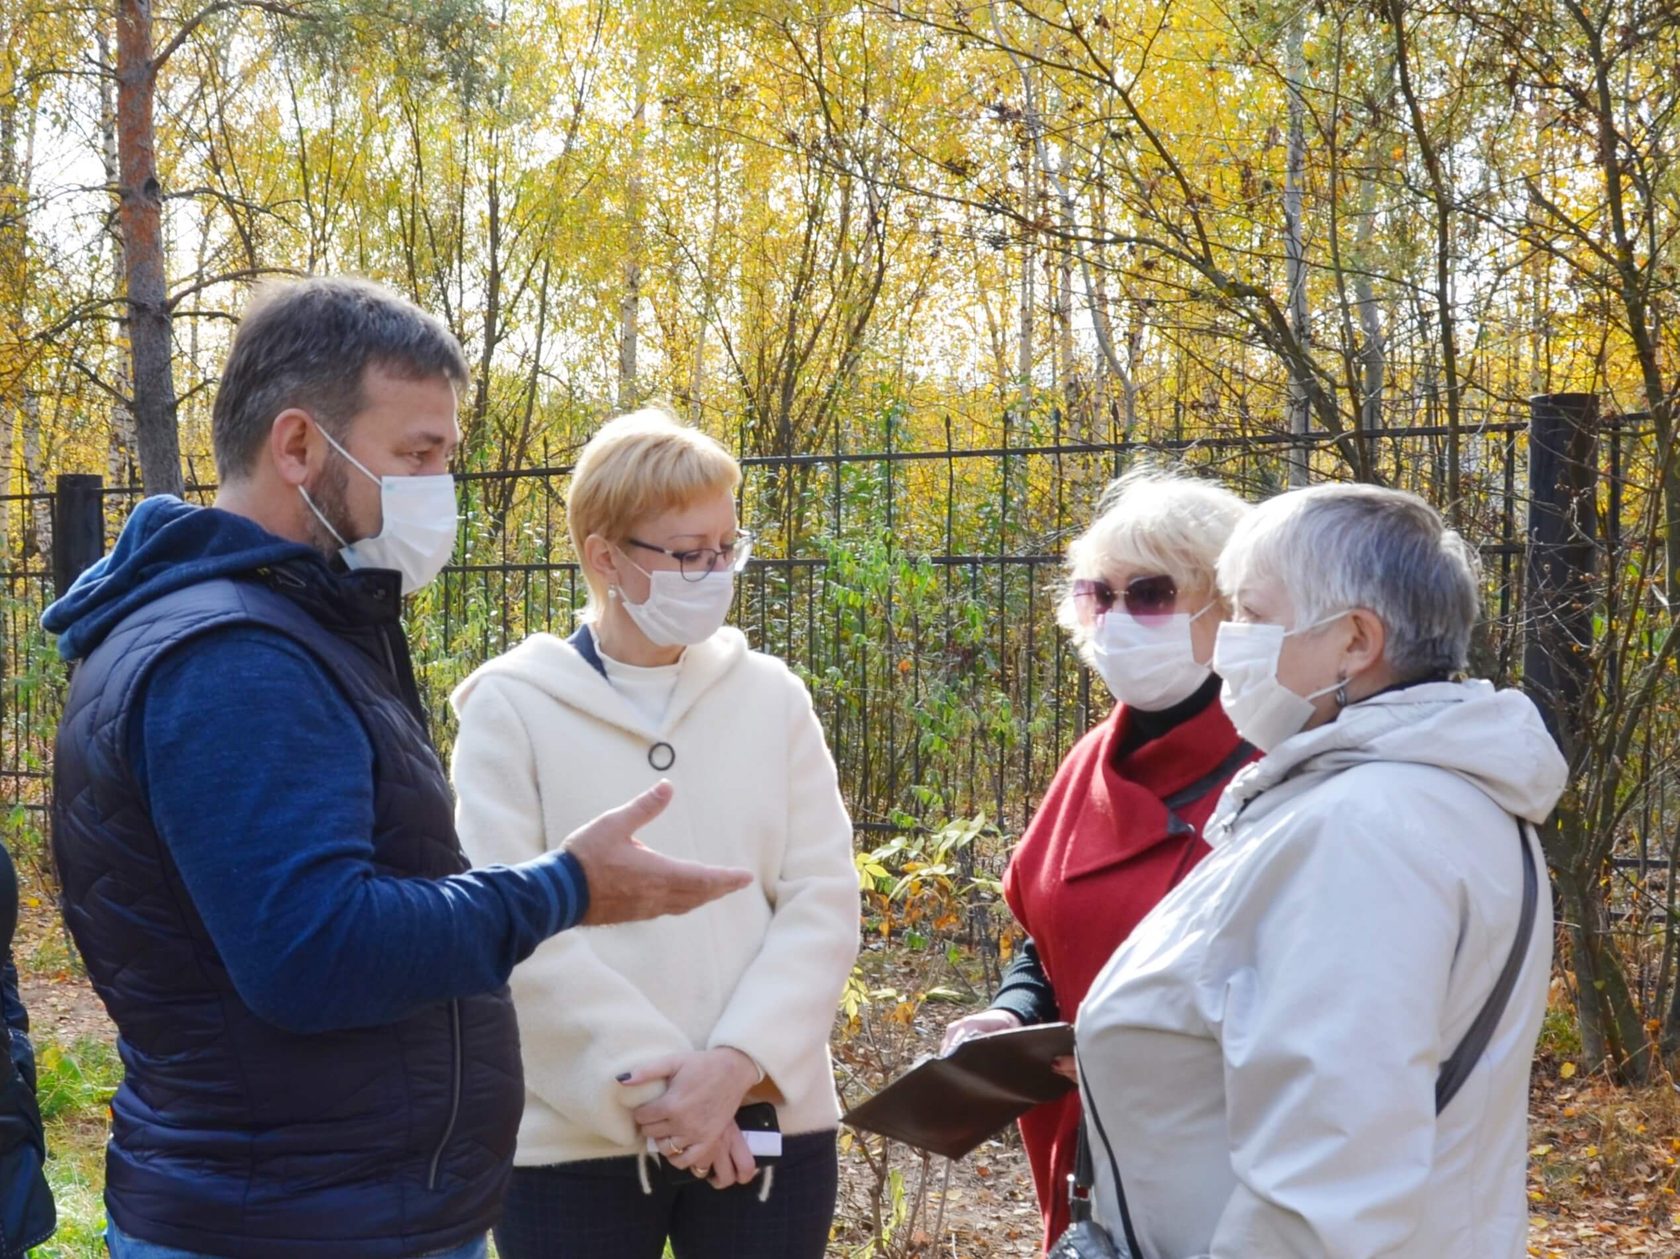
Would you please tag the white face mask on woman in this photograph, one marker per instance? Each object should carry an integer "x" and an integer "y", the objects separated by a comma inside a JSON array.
[
  {"x": 1147, "y": 664},
  {"x": 417, "y": 524},
  {"x": 678, "y": 612},
  {"x": 1264, "y": 710}
]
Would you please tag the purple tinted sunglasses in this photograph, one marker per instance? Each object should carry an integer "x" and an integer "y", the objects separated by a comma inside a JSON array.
[{"x": 1142, "y": 598}]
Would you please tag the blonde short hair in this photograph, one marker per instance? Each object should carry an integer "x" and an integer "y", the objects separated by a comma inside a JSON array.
[
  {"x": 1157, "y": 519},
  {"x": 636, "y": 465}
]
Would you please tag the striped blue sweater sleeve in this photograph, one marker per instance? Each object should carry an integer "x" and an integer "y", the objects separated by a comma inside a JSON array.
[{"x": 266, "y": 807}]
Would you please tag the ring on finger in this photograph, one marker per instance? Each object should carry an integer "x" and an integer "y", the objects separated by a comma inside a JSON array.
[{"x": 672, "y": 1147}]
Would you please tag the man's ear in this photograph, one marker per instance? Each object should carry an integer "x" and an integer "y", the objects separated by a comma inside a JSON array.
[
  {"x": 1366, "y": 640},
  {"x": 291, "y": 444}
]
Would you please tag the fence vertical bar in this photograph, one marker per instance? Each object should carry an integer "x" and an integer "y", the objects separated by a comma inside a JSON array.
[
  {"x": 1557, "y": 603},
  {"x": 78, "y": 527}
]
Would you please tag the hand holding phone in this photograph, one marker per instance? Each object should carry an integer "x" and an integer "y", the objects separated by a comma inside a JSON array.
[{"x": 762, "y": 1131}]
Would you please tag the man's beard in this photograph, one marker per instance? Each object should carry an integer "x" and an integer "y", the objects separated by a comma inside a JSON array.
[{"x": 328, "y": 497}]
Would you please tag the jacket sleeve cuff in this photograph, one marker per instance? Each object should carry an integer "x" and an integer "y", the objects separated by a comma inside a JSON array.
[
  {"x": 1024, "y": 1007},
  {"x": 571, "y": 892},
  {"x": 757, "y": 1065},
  {"x": 1025, "y": 991}
]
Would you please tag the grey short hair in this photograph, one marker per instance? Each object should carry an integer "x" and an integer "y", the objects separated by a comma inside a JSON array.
[
  {"x": 307, "y": 344},
  {"x": 1336, "y": 547},
  {"x": 1153, "y": 518}
]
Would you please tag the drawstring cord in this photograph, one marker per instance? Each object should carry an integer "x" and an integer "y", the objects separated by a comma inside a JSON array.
[{"x": 642, "y": 1160}]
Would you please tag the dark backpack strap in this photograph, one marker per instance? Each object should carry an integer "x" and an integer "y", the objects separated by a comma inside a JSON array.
[
  {"x": 1456, "y": 1069},
  {"x": 1084, "y": 1175},
  {"x": 1214, "y": 777},
  {"x": 1090, "y": 1111}
]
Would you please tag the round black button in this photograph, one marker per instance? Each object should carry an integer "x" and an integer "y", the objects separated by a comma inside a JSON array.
[{"x": 662, "y": 756}]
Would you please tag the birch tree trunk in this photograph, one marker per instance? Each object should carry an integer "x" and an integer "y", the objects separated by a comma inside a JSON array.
[
  {"x": 479, "y": 433},
  {"x": 12, "y": 228},
  {"x": 7, "y": 428},
  {"x": 1442, "y": 205},
  {"x": 1029, "y": 261},
  {"x": 39, "y": 538},
  {"x": 1373, "y": 350},
  {"x": 141, "y": 217},
  {"x": 1066, "y": 367},
  {"x": 708, "y": 294},
  {"x": 630, "y": 305},
  {"x": 123, "y": 443},
  {"x": 1294, "y": 242}
]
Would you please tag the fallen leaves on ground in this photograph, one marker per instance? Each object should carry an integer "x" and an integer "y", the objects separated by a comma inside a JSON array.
[{"x": 1603, "y": 1167}]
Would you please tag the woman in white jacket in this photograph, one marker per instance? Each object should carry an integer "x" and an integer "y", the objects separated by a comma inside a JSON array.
[
  {"x": 1281, "y": 1054},
  {"x": 642, "y": 1042}
]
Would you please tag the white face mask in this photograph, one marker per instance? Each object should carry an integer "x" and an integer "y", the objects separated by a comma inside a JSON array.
[
  {"x": 1147, "y": 664},
  {"x": 1264, "y": 710},
  {"x": 678, "y": 612},
  {"x": 417, "y": 530}
]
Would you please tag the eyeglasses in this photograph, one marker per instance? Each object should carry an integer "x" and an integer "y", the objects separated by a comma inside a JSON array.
[
  {"x": 696, "y": 564},
  {"x": 1143, "y": 597}
]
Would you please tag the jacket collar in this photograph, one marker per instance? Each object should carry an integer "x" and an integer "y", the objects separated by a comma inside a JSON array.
[
  {"x": 1178, "y": 756},
  {"x": 361, "y": 606},
  {"x": 342, "y": 600},
  {"x": 1494, "y": 739},
  {"x": 1124, "y": 802},
  {"x": 557, "y": 668}
]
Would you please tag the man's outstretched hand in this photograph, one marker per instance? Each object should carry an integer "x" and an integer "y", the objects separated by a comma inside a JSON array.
[{"x": 629, "y": 881}]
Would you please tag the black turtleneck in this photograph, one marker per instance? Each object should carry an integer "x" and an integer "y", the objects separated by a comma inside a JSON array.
[{"x": 1145, "y": 727}]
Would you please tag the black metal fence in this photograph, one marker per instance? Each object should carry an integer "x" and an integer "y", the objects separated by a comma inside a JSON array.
[
  {"x": 30, "y": 678},
  {"x": 914, "y": 586}
]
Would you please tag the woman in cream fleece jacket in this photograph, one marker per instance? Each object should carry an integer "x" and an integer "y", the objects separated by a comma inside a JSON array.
[{"x": 649, "y": 1036}]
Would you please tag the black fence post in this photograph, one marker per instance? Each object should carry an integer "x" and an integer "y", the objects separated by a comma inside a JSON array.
[
  {"x": 1562, "y": 553},
  {"x": 78, "y": 527}
]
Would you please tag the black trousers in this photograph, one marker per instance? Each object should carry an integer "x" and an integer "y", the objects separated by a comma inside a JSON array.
[{"x": 596, "y": 1210}]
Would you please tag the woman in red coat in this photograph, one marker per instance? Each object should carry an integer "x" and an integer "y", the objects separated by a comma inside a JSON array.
[{"x": 1122, "y": 820}]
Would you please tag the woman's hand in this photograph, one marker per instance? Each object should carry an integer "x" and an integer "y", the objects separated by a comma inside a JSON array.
[
  {"x": 704, "y": 1090},
  {"x": 981, "y": 1024},
  {"x": 726, "y": 1161},
  {"x": 1066, "y": 1066}
]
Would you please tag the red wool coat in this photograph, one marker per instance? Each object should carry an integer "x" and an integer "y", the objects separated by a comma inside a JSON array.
[{"x": 1095, "y": 859}]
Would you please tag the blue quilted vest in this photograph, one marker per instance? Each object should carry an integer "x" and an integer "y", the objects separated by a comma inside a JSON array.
[{"x": 230, "y": 1136}]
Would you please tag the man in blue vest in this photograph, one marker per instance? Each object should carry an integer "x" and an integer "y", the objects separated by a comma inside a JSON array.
[{"x": 256, "y": 838}]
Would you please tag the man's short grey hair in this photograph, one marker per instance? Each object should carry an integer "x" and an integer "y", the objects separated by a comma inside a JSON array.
[
  {"x": 307, "y": 344},
  {"x": 1157, "y": 519},
  {"x": 1337, "y": 547}
]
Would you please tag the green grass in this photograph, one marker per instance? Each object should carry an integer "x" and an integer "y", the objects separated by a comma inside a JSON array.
[
  {"x": 75, "y": 1084},
  {"x": 1560, "y": 1033}
]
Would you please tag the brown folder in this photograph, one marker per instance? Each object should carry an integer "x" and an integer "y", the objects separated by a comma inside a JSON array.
[{"x": 951, "y": 1104}]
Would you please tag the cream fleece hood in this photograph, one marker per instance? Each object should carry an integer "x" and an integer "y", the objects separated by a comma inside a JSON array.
[{"x": 555, "y": 668}]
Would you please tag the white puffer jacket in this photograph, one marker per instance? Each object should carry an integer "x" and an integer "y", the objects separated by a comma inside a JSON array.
[
  {"x": 1263, "y": 1049},
  {"x": 545, "y": 744}
]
